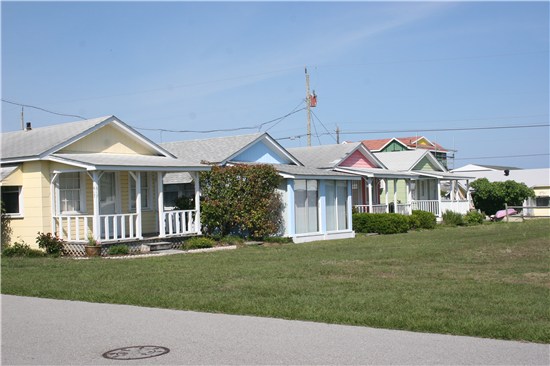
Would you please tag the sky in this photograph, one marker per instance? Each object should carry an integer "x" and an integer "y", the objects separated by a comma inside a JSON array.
[{"x": 472, "y": 76}]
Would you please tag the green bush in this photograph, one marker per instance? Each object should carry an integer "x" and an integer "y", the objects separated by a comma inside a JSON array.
[
  {"x": 422, "y": 220},
  {"x": 232, "y": 240},
  {"x": 474, "y": 218},
  {"x": 277, "y": 239},
  {"x": 452, "y": 218},
  {"x": 5, "y": 220},
  {"x": 198, "y": 243},
  {"x": 51, "y": 243},
  {"x": 385, "y": 223},
  {"x": 119, "y": 249},
  {"x": 21, "y": 250}
]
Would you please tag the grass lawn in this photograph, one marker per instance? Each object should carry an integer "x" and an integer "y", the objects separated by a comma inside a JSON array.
[{"x": 488, "y": 281}]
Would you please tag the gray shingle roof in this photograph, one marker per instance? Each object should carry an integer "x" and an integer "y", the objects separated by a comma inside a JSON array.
[
  {"x": 324, "y": 156},
  {"x": 33, "y": 143},
  {"x": 214, "y": 150},
  {"x": 401, "y": 160}
]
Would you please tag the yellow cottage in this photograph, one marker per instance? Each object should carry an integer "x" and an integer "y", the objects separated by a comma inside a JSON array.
[{"x": 95, "y": 178}]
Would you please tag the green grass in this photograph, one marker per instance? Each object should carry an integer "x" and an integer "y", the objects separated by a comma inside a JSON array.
[{"x": 488, "y": 281}]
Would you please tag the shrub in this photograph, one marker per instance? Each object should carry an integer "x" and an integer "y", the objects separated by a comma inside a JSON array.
[
  {"x": 119, "y": 249},
  {"x": 232, "y": 240},
  {"x": 474, "y": 218},
  {"x": 422, "y": 220},
  {"x": 198, "y": 243},
  {"x": 452, "y": 218},
  {"x": 385, "y": 223},
  {"x": 489, "y": 197},
  {"x": 21, "y": 250},
  {"x": 51, "y": 243},
  {"x": 6, "y": 227},
  {"x": 278, "y": 239}
]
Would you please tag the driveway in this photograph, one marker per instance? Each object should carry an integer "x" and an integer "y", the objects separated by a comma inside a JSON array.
[{"x": 54, "y": 332}]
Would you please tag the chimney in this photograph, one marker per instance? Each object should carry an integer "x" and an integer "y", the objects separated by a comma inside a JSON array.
[{"x": 29, "y": 127}]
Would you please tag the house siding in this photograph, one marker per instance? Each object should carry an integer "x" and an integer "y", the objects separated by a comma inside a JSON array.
[
  {"x": 261, "y": 153},
  {"x": 394, "y": 146},
  {"x": 108, "y": 139},
  {"x": 357, "y": 160}
]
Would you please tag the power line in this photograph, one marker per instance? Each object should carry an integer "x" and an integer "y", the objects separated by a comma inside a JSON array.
[
  {"x": 258, "y": 126},
  {"x": 43, "y": 109},
  {"x": 330, "y": 133},
  {"x": 282, "y": 118}
]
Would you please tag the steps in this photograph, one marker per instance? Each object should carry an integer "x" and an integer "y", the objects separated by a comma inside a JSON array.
[{"x": 161, "y": 245}]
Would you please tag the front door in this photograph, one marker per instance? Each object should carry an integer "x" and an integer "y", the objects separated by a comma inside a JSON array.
[{"x": 107, "y": 203}]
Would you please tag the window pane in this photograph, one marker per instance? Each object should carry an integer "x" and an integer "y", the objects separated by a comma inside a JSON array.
[
  {"x": 10, "y": 199},
  {"x": 69, "y": 192},
  {"x": 342, "y": 198},
  {"x": 331, "y": 205}
]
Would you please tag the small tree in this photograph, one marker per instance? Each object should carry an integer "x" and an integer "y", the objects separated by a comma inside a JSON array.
[
  {"x": 6, "y": 227},
  {"x": 241, "y": 199},
  {"x": 489, "y": 197}
]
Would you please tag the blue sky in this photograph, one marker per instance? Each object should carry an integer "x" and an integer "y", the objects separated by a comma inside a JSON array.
[{"x": 411, "y": 68}]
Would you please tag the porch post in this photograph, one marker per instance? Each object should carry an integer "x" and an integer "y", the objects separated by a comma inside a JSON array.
[
  {"x": 95, "y": 191},
  {"x": 198, "y": 225},
  {"x": 395, "y": 195},
  {"x": 160, "y": 204},
  {"x": 139, "y": 233},
  {"x": 468, "y": 196},
  {"x": 349, "y": 226},
  {"x": 386, "y": 189},
  {"x": 408, "y": 195},
  {"x": 453, "y": 189},
  {"x": 440, "y": 214},
  {"x": 369, "y": 180},
  {"x": 53, "y": 202}
]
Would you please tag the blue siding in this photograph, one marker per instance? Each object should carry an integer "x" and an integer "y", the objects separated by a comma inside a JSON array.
[{"x": 261, "y": 153}]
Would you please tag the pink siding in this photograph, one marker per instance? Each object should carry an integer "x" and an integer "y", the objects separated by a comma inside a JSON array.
[{"x": 357, "y": 160}]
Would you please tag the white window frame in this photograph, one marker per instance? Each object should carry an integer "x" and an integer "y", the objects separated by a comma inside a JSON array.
[
  {"x": 146, "y": 204},
  {"x": 19, "y": 214},
  {"x": 82, "y": 194}
]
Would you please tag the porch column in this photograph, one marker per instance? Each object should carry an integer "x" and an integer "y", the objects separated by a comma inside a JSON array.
[
  {"x": 369, "y": 181},
  {"x": 440, "y": 214},
  {"x": 408, "y": 194},
  {"x": 139, "y": 233},
  {"x": 96, "y": 176},
  {"x": 291, "y": 213},
  {"x": 453, "y": 190},
  {"x": 468, "y": 196},
  {"x": 387, "y": 196},
  {"x": 198, "y": 226},
  {"x": 160, "y": 204},
  {"x": 349, "y": 213},
  {"x": 395, "y": 195},
  {"x": 54, "y": 204}
]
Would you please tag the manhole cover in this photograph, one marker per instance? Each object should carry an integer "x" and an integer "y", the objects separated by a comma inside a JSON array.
[{"x": 136, "y": 352}]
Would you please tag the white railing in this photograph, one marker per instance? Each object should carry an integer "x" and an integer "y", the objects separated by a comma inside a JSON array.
[
  {"x": 462, "y": 207},
  {"x": 73, "y": 227},
  {"x": 426, "y": 205},
  {"x": 179, "y": 222},
  {"x": 77, "y": 228},
  {"x": 375, "y": 208},
  {"x": 118, "y": 226},
  {"x": 403, "y": 208}
]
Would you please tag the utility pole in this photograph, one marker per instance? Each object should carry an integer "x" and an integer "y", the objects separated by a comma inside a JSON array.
[
  {"x": 308, "y": 100},
  {"x": 22, "y": 120},
  {"x": 337, "y": 134}
]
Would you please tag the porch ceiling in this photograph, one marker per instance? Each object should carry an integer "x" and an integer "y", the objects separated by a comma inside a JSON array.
[{"x": 122, "y": 162}]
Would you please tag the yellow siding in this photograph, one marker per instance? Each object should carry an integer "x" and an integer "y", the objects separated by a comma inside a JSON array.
[
  {"x": 541, "y": 192},
  {"x": 36, "y": 203},
  {"x": 109, "y": 139}
]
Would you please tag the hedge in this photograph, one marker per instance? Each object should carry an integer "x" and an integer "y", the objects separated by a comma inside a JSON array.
[{"x": 384, "y": 223}]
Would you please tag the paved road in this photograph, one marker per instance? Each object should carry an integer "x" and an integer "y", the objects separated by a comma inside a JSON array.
[{"x": 53, "y": 332}]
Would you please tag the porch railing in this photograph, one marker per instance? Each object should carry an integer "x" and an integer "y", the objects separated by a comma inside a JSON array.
[
  {"x": 426, "y": 205},
  {"x": 375, "y": 208},
  {"x": 403, "y": 208},
  {"x": 179, "y": 222},
  {"x": 112, "y": 227},
  {"x": 461, "y": 207}
]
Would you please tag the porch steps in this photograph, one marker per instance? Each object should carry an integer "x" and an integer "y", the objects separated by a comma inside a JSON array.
[{"x": 161, "y": 245}]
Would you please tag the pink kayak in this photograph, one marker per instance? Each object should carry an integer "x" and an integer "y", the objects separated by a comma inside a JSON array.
[{"x": 500, "y": 214}]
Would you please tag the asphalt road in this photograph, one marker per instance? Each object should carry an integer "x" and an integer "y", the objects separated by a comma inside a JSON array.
[{"x": 53, "y": 332}]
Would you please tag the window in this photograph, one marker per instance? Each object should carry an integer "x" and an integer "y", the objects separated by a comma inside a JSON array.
[
  {"x": 305, "y": 198},
  {"x": 70, "y": 193},
  {"x": 146, "y": 195},
  {"x": 336, "y": 200},
  {"x": 543, "y": 201},
  {"x": 357, "y": 192},
  {"x": 172, "y": 192},
  {"x": 11, "y": 198}
]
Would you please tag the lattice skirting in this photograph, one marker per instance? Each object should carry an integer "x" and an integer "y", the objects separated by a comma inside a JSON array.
[{"x": 77, "y": 249}]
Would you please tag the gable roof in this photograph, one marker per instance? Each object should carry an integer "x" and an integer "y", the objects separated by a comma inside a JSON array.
[
  {"x": 409, "y": 142},
  {"x": 42, "y": 141},
  {"x": 479, "y": 167},
  {"x": 220, "y": 150},
  {"x": 406, "y": 160},
  {"x": 531, "y": 177},
  {"x": 330, "y": 156}
]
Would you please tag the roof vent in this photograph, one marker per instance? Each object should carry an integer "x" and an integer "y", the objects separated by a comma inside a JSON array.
[{"x": 29, "y": 127}]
